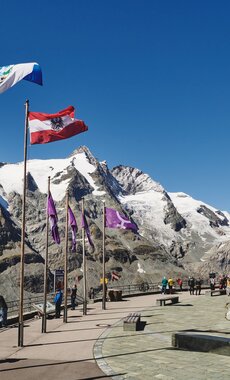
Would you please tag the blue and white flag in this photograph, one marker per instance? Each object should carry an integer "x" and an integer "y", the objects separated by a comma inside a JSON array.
[{"x": 11, "y": 74}]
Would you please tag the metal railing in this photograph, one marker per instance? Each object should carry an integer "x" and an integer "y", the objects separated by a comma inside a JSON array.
[
  {"x": 127, "y": 289},
  {"x": 13, "y": 306}
]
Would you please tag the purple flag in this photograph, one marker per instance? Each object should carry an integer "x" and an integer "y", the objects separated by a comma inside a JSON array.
[
  {"x": 84, "y": 225},
  {"x": 73, "y": 225},
  {"x": 51, "y": 210},
  {"x": 113, "y": 219}
]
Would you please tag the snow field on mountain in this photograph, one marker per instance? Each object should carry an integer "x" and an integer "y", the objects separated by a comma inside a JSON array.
[
  {"x": 11, "y": 175},
  {"x": 148, "y": 208}
]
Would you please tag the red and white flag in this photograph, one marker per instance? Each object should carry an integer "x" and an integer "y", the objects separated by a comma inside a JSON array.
[
  {"x": 46, "y": 128},
  {"x": 115, "y": 276}
]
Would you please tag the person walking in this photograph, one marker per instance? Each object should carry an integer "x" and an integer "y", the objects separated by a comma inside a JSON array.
[
  {"x": 3, "y": 311},
  {"x": 58, "y": 302},
  {"x": 73, "y": 297}
]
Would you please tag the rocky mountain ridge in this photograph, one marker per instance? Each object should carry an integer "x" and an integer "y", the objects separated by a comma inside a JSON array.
[{"x": 176, "y": 233}]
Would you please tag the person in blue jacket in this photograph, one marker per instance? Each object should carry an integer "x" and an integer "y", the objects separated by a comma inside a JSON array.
[
  {"x": 3, "y": 311},
  {"x": 58, "y": 302},
  {"x": 164, "y": 284}
]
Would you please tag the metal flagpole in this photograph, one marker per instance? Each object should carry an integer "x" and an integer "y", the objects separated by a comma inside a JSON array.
[
  {"x": 46, "y": 265},
  {"x": 103, "y": 252},
  {"x": 66, "y": 255},
  {"x": 84, "y": 263},
  {"x": 20, "y": 318}
]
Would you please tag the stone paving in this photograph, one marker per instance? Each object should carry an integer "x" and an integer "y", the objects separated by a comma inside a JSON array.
[
  {"x": 69, "y": 350},
  {"x": 148, "y": 354}
]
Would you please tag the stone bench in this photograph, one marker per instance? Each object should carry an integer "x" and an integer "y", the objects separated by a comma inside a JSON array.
[
  {"x": 217, "y": 292},
  {"x": 167, "y": 300},
  {"x": 132, "y": 322},
  {"x": 200, "y": 342}
]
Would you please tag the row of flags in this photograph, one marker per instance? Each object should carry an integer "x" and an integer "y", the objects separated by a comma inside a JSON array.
[
  {"x": 46, "y": 128},
  {"x": 113, "y": 219}
]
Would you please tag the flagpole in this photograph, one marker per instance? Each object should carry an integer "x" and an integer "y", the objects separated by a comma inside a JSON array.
[
  {"x": 20, "y": 318},
  {"x": 84, "y": 263},
  {"x": 65, "y": 263},
  {"x": 103, "y": 252},
  {"x": 46, "y": 266}
]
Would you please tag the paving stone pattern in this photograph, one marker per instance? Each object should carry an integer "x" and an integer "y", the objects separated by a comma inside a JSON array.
[{"x": 148, "y": 354}]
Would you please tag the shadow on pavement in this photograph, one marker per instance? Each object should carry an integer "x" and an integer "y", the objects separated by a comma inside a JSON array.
[
  {"x": 208, "y": 331},
  {"x": 32, "y": 365}
]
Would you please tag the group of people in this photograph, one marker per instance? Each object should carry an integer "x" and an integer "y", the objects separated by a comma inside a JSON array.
[
  {"x": 224, "y": 283},
  {"x": 167, "y": 285},
  {"x": 194, "y": 285}
]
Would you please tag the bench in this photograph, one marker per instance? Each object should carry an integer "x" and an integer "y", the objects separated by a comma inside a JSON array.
[
  {"x": 132, "y": 322},
  {"x": 167, "y": 300},
  {"x": 217, "y": 292},
  {"x": 200, "y": 342}
]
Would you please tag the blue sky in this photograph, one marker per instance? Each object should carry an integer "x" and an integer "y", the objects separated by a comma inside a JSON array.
[{"x": 151, "y": 79}]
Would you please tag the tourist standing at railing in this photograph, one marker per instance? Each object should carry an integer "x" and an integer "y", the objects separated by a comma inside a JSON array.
[
  {"x": 228, "y": 286},
  {"x": 212, "y": 283},
  {"x": 164, "y": 284},
  {"x": 3, "y": 311},
  {"x": 58, "y": 301},
  {"x": 91, "y": 293},
  {"x": 191, "y": 284},
  {"x": 198, "y": 286},
  {"x": 170, "y": 284},
  {"x": 73, "y": 297},
  {"x": 180, "y": 283}
]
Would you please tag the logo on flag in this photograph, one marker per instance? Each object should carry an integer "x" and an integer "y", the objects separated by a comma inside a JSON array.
[
  {"x": 113, "y": 219},
  {"x": 4, "y": 72}
]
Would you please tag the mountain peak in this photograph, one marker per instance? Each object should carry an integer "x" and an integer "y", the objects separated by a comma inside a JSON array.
[
  {"x": 84, "y": 149},
  {"x": 134, "y": 180}
]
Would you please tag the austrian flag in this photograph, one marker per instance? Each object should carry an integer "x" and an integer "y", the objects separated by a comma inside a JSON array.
[{"x": 46, "y": 128}]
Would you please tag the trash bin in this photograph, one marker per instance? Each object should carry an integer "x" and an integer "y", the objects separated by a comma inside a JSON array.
[{"x": 115, "y": 295}]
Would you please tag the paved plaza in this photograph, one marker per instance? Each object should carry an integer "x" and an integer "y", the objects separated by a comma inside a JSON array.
[{"x": 96, "y": 347}]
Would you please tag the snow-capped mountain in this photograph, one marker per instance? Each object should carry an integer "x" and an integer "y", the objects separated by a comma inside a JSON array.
[{"x": 175, "y": 231}]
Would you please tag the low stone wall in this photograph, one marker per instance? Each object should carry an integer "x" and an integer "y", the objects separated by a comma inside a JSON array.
[{"x": 201, "y": 342}]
